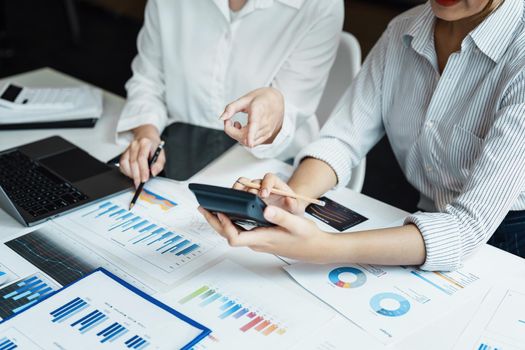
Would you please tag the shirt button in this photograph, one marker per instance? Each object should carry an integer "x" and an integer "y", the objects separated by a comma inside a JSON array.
[{"x": 429, "y": 124}]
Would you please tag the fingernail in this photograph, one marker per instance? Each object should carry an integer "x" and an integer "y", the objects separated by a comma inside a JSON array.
[
  {"x": 200, "y": 209},
  {"x": 264, "y": 193},
  {"x": 220, "y": 217},
  {"x": 269, "y": 213}
]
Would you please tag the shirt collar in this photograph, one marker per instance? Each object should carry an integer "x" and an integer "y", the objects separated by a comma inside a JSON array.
[
  {"x": 494, "y": 34},
  {"x": 420, "y": 34}
]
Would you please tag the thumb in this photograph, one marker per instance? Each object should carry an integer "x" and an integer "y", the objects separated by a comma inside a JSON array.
[{"x": 284, "y": 219}]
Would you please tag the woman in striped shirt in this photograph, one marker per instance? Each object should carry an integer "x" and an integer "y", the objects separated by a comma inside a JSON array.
[{"x": 446, "y": 83}]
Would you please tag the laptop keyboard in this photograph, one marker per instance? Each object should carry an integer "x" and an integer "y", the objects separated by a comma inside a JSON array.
[{"x": 34, "y": 188}]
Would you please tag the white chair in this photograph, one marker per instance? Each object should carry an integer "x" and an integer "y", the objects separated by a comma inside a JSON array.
[{"x": 347, "y": 64}]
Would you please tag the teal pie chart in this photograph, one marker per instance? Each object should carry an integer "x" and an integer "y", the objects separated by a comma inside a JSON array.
[
  {"x": 347, "y": 277},
  {"x": 390, "y": 304}
]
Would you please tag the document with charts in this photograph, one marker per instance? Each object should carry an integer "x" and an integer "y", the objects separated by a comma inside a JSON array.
[
  {"x": 500, "y": 320},
  {"x": 163, "y": 236},
  {"x": 100, "y": 311},
  {"x": 392, "y": 302},
  {"x": 245, "y": 310}
]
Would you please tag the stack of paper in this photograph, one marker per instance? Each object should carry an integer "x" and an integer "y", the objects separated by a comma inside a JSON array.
[{"x": 86, "y": 103}]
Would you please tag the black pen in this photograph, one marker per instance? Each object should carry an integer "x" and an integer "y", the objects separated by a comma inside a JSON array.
[{"x": 150, "y": 163}]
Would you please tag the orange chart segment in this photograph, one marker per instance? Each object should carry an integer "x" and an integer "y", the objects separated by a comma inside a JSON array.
[{"x": 155, "y": 199}]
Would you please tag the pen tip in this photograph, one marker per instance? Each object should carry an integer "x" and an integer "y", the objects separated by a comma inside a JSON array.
[
  {"x": 321, "y": 203},
  {"x": 131, "y": 206}
]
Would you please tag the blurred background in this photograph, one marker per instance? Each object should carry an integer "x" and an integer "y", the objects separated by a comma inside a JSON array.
[{"x": 95, "y": 41}]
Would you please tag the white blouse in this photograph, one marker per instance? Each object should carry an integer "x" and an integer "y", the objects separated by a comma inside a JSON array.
[
  {"x": 459, "y": 136},
  {"x": 194, "y": 58}
]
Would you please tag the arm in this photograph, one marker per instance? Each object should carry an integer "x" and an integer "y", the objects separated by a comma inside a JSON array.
[
  {"x": 275, "y": 113},
  {"x": 496, "y": 180},
  {"x": 146, "y": 89},
  {"x": 144, "y": 115}
]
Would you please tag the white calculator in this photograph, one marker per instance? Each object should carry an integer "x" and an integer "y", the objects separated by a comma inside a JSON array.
[{"x": 23, "y": 98}]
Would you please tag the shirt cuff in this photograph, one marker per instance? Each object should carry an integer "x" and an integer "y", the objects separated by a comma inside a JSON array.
[
  {"x": 334, "y": 153},
  {"x": 281, "y": 141},
  {"x": 441, "y": 235},
  {"x": 133, "y": 117}
]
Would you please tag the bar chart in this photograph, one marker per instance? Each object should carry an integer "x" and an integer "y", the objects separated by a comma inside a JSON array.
[
  {"x": 11, "y": 339},
  {"x": 7, "y": 344},
  {"x": 156, "y": 199},
  {"x": 144, "y": 237},
  {"x": 226, "y": 307},
  {"x": 244, "y": 311},
  {"x": 86, "y": 319},
  {"x": 24, "y": 293}
]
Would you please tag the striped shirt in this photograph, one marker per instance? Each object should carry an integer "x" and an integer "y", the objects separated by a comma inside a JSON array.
[{"x": 459, "y": 136}]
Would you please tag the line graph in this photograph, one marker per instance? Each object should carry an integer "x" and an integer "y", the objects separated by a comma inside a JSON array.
[{"x": 52, "y": 259}]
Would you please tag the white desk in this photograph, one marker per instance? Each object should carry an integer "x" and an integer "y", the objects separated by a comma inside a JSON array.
[{"x": 100, "y": 143}]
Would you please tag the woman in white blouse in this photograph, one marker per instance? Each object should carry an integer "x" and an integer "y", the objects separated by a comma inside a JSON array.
[
  {"x": 271, "y": 57},
  {"x": 446, "y": 83}
]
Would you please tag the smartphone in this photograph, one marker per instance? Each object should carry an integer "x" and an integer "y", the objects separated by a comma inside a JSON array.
[{"x": 243, "y": 208}]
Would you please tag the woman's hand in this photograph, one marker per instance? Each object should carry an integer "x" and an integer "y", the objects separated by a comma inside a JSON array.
[
  {"x": 269, "y": 182},
  {"x": 294, "y": 236},
  {"x": 265, "y": 109},
  {"x": 134, "y": 161}
]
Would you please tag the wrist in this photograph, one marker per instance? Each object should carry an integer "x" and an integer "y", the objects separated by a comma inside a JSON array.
[
  {"x": 147, "y": 131},
  {"x": 339, "y": 248}
]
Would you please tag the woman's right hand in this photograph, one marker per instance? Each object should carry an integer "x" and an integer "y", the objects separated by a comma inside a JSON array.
[
  {"x": 134, "y": 161},
  {"x": 269, "y": 182}
]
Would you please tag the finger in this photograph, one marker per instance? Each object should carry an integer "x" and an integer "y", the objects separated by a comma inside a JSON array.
[
  {"x": 124, "y": 164},
  {"x": 267, "y": 184},
  {"x": 233, "y": 132},
  {"x": 236, "y": 106},
  {"x": 254, "y": 119},
  {"x": 157, "y": 167},
  {"x": 237, "y": 125},
  {"x": 238, "y": 185},
  {"x": 143, "y": 160},
  {"x": 135, "y": 173},
  {"x": 211, "y": 219},
  {"x": 282, "y": 218}
]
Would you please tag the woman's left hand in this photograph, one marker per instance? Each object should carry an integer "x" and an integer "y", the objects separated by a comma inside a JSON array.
[
  {"x": 265, "y": 109},
  {"x": 294, "y": 236}
]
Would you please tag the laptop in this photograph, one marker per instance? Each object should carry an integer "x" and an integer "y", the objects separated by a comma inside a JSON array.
[{"x": 50, "y": 177}]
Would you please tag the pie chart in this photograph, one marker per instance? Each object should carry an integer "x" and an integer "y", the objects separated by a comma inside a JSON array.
[
  {"x": 347, "y": 277},
  {"x": 390, "y": 304}
]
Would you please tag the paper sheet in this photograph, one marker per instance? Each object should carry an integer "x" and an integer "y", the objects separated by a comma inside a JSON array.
[
  {"x": 500, "y": 320},
  {"x": 245, "y": 310},
  {"x": 391, "y": 303},
  {"x": 163, "y": 237},
  {"x": 99, "y": 311}
]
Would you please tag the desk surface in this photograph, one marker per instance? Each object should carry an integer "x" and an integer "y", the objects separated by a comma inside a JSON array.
[{"x": 99, "y": 141}]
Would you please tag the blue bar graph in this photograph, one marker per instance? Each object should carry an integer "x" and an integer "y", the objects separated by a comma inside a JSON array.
[
  {"x": 127, "y": 227},
  {"x": 210, "y": 299},
  {"x": 89, "y": 321},
  {"x": 136, "y": 342},
  {"x": 227, "y": 305},
  {"x": 7, "y": 344},
  {"x": 230, "y": 311},
  {"x": 68, "y": 310},
  {"x": 241, "y": 313},
  {"x": 188, "y": 250},
  {"x": 23, "y": 294},
  {"x": 112, "y": 332}
]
